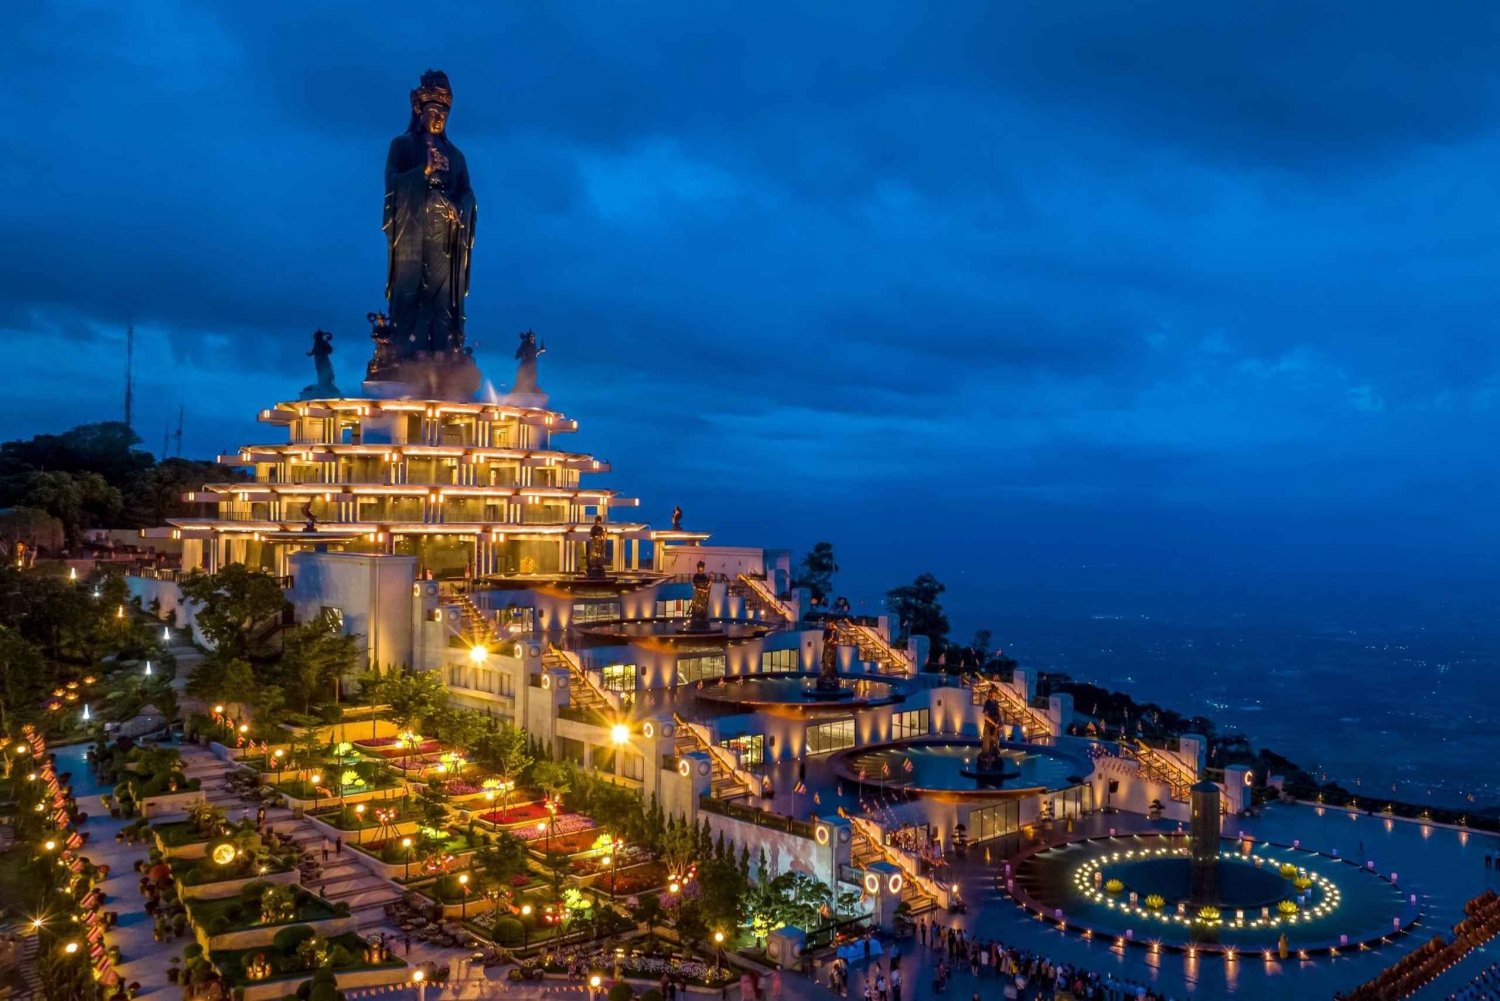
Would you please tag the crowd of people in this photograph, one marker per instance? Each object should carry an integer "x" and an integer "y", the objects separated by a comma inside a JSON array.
[
  {"x": 1000, "y": 971},
  {"x": 1481, "y": 922}
]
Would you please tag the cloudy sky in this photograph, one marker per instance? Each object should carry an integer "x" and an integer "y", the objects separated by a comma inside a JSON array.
[{"x": 991, "y": 289}]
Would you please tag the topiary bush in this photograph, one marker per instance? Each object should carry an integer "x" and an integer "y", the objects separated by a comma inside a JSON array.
[{"x": 288, "y": 939}]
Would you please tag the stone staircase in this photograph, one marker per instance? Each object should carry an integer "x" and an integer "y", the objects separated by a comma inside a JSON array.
[
  {"x": 583, "y": 694},
  {"x": 1161, "y": 767},
  {"x": 474, "y": 626},
  {"x": 1014, "y": 710},
  {"x": 725, "y": 784},
  {"x": 874, "y": 647},
  {"x": 917, "y": 891},
  {"x": 759, "y": 597}
]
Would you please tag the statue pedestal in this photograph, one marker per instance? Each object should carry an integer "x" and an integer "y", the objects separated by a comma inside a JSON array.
[
  {"x": 445, "y": 377},
  {"x": 535, "y": 400}
]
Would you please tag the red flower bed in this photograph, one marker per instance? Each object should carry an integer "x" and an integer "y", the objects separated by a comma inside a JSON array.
[
  {"x": 374, "y": 742},
  {"x": 520, "y": 813}
]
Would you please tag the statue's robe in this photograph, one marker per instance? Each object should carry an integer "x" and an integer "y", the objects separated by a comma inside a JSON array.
[{"x": 428, "y": 254}]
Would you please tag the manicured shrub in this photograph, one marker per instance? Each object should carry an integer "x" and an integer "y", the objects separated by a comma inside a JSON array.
[{"x": 287, "y": 940}]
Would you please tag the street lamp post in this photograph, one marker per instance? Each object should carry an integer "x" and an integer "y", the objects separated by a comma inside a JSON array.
[
  {"x": 420, "y": 979},
  {"x": 359, "y": 823},
  {"x": 525, "y": 926},
  {"x": 316, "y": 779},
  {"x": 463, "y": 903},
  {"x": 718, "y": 956},
  {"x": 406, "y": 846}
]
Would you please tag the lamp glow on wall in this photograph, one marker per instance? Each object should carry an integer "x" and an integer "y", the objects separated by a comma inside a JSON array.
[{"x": 148, "y": 669}]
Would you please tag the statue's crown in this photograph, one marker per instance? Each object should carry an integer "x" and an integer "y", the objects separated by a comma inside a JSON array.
[{"x": 433, "y": 88}]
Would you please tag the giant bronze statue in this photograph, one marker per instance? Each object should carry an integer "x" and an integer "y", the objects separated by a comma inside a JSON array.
[{"x": 429, "y": 227}]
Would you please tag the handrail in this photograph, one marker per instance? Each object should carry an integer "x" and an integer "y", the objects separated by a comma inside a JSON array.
[
  {"x": 760, "y": 818},
  {"x": 901, "y": 859},
  {"x": 1030, "y": 719},
  {"x": 580, "y": 676},
  {"x": 1162, "y": 768},
  {"x": 869, "y": 640},
  {"x": 725, "y": 758},
  {"x": 757, "y": 586}
]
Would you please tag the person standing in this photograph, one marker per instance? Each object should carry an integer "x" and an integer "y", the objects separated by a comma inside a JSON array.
[
  {"x": 895, "y": 983},
  {"x": 922, "y": 924}
]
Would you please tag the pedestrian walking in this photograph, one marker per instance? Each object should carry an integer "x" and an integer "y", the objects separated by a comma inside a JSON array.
[{"x": 338, "y": 846}]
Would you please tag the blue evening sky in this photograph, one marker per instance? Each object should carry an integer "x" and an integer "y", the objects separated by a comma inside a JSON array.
[{"x": 1001, "y": 290}]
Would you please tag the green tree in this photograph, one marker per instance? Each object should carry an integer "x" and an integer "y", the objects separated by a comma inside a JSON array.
[
  {"x": 916, "y": 607},
  {"x": 505, "y": 751},
  {"x": 816, "y": 572},
  {"x": 412, "y": 696},
  {"x": 316, "y": 656},
  {"x": 24, "y": 677},
  {"x": 33, "y": 526},
  {"x": 78, "y": 500},
  {"x": 232, "y": 604}
]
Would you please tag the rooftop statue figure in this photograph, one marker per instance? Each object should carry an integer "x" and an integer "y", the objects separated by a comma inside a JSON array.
[
  {"x": 429, "y": 227},
  {"x": 828, "y": 676},
  {"x": 698, "y": 610},
  {"x": 526, "y": 355},
  {"x": 595, "y": 560},
  {"x": 322, "y": 351}
]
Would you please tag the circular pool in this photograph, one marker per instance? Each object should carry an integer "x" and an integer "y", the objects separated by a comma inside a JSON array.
[
  {"x": 945, "y": 765},
  {"x": 799, "y": 692},
  {"x": 676, "y": 630},
  {"x": 1139, "y": 890}
]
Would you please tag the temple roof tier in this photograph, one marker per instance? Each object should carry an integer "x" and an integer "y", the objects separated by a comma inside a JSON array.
[
  {"x": 323, "y": 451},
  {"x": 214, "y": 492},
  {"x": 286, "y": 413},
  {"x": 177, "y": 527}
]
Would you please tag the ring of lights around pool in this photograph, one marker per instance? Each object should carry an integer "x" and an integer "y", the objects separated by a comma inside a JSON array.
[
  {"x": 941, "y": 768},
  {"x": 798, "y": 693},
  {"x": 1135, "y": 891}
]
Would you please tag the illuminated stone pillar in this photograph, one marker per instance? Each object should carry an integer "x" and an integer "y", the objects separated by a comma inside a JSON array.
[{"x": 1203, "y": 832}]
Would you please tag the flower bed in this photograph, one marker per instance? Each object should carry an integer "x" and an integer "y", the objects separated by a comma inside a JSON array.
[
  {"x": 590, "y": 865},
  {"x": 636, "y": 879},
  {"x": 391, "y": 747},
  {"x": 566, "y": 825},
  {"x": 591, "y": 956},
  {"x": 568, "y": 844},
  {"x": 518, "y": 813}
]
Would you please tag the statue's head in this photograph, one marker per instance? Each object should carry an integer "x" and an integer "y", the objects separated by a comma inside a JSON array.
[
  {"x": 528, "y": 337},
  {"x": 430, "y": 103}
]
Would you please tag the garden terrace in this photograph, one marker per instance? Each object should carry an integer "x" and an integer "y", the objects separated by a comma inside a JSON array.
[
  {"x": 520, "y": 813},
  {"x": 388, "y": 748},
  {"x": 299, "y": 788},
  {"x": 203, "y": 871},
  {"x": 640, "y": 963},
  {"x": 573, "y": 843},
  {"x": 245, "y": 911},
  {"x": 345, "y": 953},
  {"x": 398, "y": 810},
  {"x": 564, "y": 825},
  {"x": 423, "y": 849},
  {"x": 640, "y": 878}
]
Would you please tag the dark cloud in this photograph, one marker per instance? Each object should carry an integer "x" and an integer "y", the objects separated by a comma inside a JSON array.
[{"x": 1108, "y": 269}]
